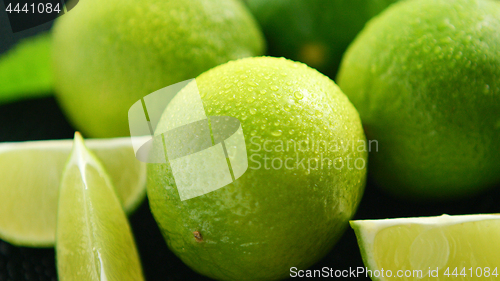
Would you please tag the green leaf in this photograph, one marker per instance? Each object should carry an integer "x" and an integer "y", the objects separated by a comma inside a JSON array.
[{"x": 25, "y": 70}]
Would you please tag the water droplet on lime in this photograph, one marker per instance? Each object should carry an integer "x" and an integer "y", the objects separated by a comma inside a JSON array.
[
  {"x": 298, "y": 95},
  {"x": 277, "y": 133},
  {"x": 486, "y": 89}
]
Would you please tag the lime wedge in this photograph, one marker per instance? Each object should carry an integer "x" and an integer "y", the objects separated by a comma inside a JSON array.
[
  {"x": 93, "y": 240},
  {"x": 30, "y": 174},
  {"x": 430, "y": 248}
]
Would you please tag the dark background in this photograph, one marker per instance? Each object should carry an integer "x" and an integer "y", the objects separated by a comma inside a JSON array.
[{"x": 41, "y": 119}]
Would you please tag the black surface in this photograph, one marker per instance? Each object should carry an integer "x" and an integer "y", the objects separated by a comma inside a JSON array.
[
  {"x": 7, "y": 38},
  {"x": 42, "y": 119},
  {"x": 26, "y": 14}
]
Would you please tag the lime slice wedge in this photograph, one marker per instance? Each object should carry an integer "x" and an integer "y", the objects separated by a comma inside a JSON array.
[
  {"x": 463, "y": 247},
  {"x": 30, "y": 174},
  {"x": 93, "y": 240}
]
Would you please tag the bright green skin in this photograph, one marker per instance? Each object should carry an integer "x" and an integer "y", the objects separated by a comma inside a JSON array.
[
  {"x": 290, "y": 25},
  {"x": 425, "y": 77},
  {"x": 267, "y": 220},
  {"x": 109, "y": 54}
]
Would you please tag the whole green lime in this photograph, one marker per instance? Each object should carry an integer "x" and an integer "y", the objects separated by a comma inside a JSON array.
[
  {"x": 425, "y": 77},
  {"x": 315, "y": 32},
  {"x": 305, "y": 177},
  {"x": 109, "y": 54}
]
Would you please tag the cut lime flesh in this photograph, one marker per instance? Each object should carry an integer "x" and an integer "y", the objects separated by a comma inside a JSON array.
[
  {"x": 94, "y": 240},
  {"x": 431, "y": 248},
  {"x": 30, "y": 174}
]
